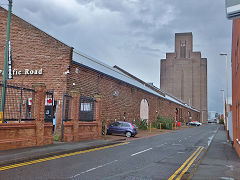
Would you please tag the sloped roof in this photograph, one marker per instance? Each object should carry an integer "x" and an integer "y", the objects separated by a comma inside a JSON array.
[
  {"x": 101, "y": 67},
  {"x": 96, "y": 65}
]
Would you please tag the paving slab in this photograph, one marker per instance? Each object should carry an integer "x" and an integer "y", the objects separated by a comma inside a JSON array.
[{"x": 220, "y": 161}]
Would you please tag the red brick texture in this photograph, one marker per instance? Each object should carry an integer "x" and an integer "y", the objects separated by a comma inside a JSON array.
[
  {"x": 236, "y": 84},
  {"x": 33, "y": 49},
  {"x": 16, "y": 135},
  {"x": 77, "y": 130},
  {"x": 91, "y": 83},
  {"x": 24, "y": 134}
]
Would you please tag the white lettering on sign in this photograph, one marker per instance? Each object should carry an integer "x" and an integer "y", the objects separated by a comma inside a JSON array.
[{"x": 16, "y": 72}]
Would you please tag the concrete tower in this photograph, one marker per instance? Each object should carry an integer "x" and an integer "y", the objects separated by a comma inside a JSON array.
[{"x": 184, "y": 74}]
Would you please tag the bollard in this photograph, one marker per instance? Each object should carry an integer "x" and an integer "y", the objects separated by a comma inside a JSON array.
[
  {"x": 105, "y": 134},
  {"x": 1, "y": 117},
  {"x": 160, "y": 126},
  {"x": 150, "y": 127}
]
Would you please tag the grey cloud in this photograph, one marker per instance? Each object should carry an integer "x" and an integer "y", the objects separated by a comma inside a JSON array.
[
  {"x": 49, "y": 14},
  {"x": 130, "y": 32}
]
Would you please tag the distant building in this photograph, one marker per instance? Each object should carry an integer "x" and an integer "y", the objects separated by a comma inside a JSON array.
[
  {"x": 184, "y": 74},
  {"x": 212, "y": 116}
]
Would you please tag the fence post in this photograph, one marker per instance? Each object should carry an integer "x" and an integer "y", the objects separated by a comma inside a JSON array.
[
  {"x": 75, "y": 113},
  {"x": 150, "y": 127},
  {"x": 39, "y": 110},
  {"x": 105, "y": 130},
  {"x": 98, "y": 112}
]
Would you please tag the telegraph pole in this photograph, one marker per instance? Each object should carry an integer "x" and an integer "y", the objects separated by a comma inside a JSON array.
[{"x": 5, "y": 71}]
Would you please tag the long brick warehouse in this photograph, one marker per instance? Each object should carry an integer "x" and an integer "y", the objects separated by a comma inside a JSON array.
[{"x": 40, "y": 58}]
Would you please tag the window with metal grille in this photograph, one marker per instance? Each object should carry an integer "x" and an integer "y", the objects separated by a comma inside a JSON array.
[{"x": 87, "y": 109}]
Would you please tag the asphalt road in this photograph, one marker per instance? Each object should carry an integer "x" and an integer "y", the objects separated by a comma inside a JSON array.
[{"x": 156, "y": 157}]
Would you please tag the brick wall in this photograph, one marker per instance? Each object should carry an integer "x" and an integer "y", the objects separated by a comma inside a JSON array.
[
  {"x": 236, "y": 84},
  {"x": 76, "y": 130},
  {"x": 26, "y": 134},
  {"x": 17, "y": 135},
  {"x": 33, "y": 49},
  {"x": 90, "y": 83}
]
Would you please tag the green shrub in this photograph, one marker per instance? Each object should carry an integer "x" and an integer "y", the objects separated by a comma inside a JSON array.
[
  {"x": 221, "y": 121},
  {"x": 156, "y": 125},
  {"x": 56, "y": 137},
  {"x": 166, "y": 123},
  {"x": 141, "y": 124}
]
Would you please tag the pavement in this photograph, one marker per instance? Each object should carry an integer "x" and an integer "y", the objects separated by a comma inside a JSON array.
[{"x": 220, "y": 160}]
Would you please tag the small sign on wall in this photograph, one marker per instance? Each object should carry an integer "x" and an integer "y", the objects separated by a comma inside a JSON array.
[{"x": 48, "y": 101}]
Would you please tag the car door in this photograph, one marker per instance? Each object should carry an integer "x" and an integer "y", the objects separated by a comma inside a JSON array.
[
  {"x": 114, "y": 128},
  {"x": 124, "y": 127}
]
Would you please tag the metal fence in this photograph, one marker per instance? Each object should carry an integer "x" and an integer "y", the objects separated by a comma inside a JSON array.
[
  {"x": 18, "y": 103},
  {"x": 87, "y": 109},
  {"x": 67, "y": 104}
]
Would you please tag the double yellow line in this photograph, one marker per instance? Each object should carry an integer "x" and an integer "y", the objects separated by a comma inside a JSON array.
[
  {"x": 187, "y": 164},
  {"x": 58, "y": 157}
]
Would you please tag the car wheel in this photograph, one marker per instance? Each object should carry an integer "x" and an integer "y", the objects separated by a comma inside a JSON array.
[{"x": 128, "y": 134}]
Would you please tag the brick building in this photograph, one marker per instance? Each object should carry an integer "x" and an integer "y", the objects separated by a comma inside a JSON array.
[
  {"x": 184, "y": 74},
  {"x": 235, "y": 84},
  {"x": 40, "y": 58}
]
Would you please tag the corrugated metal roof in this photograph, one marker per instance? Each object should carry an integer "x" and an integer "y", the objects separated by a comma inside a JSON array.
[
  {"x": 175, "y": 99},
  {"x": 110, "y": 71},
  {"x": 101, "y": 67}
]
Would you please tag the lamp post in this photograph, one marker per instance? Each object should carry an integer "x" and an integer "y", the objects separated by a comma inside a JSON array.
[
  {"x": 225, "y": 54},
  {"x": 222, "y": 90},
  {"x": 5, "y": 71}
]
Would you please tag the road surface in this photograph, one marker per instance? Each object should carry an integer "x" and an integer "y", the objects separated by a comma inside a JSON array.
[{"x": 165, "y": 156}]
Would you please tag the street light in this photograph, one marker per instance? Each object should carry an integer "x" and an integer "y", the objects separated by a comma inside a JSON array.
[
  {"x": 223, "y": 105},
  {"x": 225, "y": 54}
]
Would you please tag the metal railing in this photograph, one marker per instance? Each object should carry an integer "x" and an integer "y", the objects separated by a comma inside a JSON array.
[{"x": 18, "y": 103}]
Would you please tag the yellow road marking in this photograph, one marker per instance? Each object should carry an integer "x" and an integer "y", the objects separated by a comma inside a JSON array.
[
  {"x": 179, "y": 169},
  {"x": 186, "y": 168},
  {"x": 59, "y": 156}
]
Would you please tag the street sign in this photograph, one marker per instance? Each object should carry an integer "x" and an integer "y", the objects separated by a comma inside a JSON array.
[{"x": 233, "y": 8}]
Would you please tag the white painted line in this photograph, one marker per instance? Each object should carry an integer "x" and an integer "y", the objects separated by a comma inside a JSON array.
[
  {"x": 176, "y": 144},
  {"x": 226, "y": 178},
  {"x": 141, "y": 152},
  {"x": 210, "y": 140},
  {"x": 93, "y": 169},
  {"x": 160, "y": 145}
]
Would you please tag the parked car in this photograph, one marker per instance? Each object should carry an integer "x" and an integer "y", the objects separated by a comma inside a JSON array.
[
  {"x": 122, "y": 127},
  {"x": 212, "y": 120},
  {"x": 195, "y": 123}
]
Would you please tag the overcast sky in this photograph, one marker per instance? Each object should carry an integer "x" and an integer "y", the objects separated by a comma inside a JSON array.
[{"x": 136, "y": 34}]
